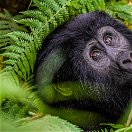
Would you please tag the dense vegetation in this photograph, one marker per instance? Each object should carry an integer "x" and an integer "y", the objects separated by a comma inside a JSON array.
[{"x": 21, "y": 37}]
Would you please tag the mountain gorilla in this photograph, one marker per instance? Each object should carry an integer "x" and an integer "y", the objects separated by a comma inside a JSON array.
[{"x": 86, "y": 65}]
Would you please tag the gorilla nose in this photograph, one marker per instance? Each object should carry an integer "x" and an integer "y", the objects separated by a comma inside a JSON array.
[{"x": 124, "y": 60}]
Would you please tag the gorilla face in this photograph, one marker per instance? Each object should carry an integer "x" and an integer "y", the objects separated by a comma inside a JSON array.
[
  {"x": 95, "y": 51},
  {"x": 108, "y": 52},
  {"x": 105, "y": 49}
]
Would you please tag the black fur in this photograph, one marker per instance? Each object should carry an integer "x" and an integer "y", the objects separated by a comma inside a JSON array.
[{"x": 115, "y": 85}]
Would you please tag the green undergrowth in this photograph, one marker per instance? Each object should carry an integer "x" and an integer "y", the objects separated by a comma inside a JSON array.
[{"x": 21, "y": 37}]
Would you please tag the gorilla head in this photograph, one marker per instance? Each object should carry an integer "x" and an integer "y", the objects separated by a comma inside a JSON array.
[{"x": 95, "y": 51}]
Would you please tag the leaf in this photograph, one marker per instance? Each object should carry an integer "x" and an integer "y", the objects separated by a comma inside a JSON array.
[
  {"x": 113, "y": 125},
  {"x": 51, "y": 124}
]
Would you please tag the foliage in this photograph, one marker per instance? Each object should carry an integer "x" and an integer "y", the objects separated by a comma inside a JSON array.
[
  {"x": 21, "y": 38},
  {"x": 21, "y": 53},
  {"x": 19, "y": 106},
  {"x": 8, "y": 24},
  {"x": 47, "y": 124},
  {"x": 122, "y": 10}
]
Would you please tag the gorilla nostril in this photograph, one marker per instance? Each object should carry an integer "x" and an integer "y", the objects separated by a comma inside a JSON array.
[
  {"x": 126, "y": 64},
  {"x": 127, "y": 61},
  {"x": 131, "y": 55}
]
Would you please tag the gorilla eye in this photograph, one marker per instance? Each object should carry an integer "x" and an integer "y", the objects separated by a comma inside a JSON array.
[
  {"x": 107, "y": 39},
  {"x": 95, "y": 55}
]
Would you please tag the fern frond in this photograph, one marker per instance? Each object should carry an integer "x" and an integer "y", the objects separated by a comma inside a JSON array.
[
  {"x": 31, "y": 57},
  {"x": 62, "y": 2},
  {"x": 42, "y": 21},
  {"x": 51, "y": 4},
  {"x": 5, "y": 25},
  {"x": 13, "y": 38},
  {"x": 21, "y": 35},
  {"x": 36, "y": 14},
  {"x": 8, "y": 24},
  {"x": 41, "y": 31},
  {"x": 11, "y": 55},
  {"x": 5, "y": 31},
  {"x": 96, "y": 4},
  {"x": 21, "y": 56},
  {"x": 83, "y": 6},
  {"x": 37, "y": 41},
  {"x": 62, "y": 16},
  {"x": 42, "y": 7},
  {"x": 102, "y": 5},
  {"x": 53, "y": 24},
  {"x": 20, "y": 63},
  {"x": 13, "y": 48},
  {"x": 10, "y": 62},
  {"x": 125, "y": 17},
  {"x": 121, "y": 10},
  {"x": 31, "y": 22},
  {"x": 90, "y": 5},
  {"x": 4, "y": 42}
]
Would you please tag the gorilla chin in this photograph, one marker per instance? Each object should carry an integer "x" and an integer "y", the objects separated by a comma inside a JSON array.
[{"x": 86, "y": 65}]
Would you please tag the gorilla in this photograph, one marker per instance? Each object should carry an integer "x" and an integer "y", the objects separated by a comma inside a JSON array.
[{"x": 86, "y": 65}]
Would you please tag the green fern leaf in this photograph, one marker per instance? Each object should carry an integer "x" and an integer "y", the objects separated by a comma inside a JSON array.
[
  {"x": 5, "y": 26},
  {"x": 102, "y": 5},
  {"x": 4, "y": 41},
  {"x": 96, "y": 4},
  {"x": 13, "y": 38},
  {"x": 62, "y": 2},
  {"x": 90, "y": 5},
  {"x": 126, "y": 17},
  {"x": 13, "y": 48},
  {"x": 42, "y": 7},
  {"x": 30, "y": 56},
  {"x": 17, "y": 71},
  {"x": 59, "y": 18},
  {"x": 121, "y": 10},
  {"x": 37, "y": 41},
  {"x": 31, "y": 22},
  {"x": 26, "y": 66},
  {"x": 36, "y": 14},
  {"x": 22, "y": 35},
  {"x": 20, "y": 65},
  {"x": 10, "y": 62},
  {"x": 51, "y": 4},
  {"x": 42, "y": 32},
  {"x": 4, "y": 31},
  {"x": 11, "y": 55}
]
